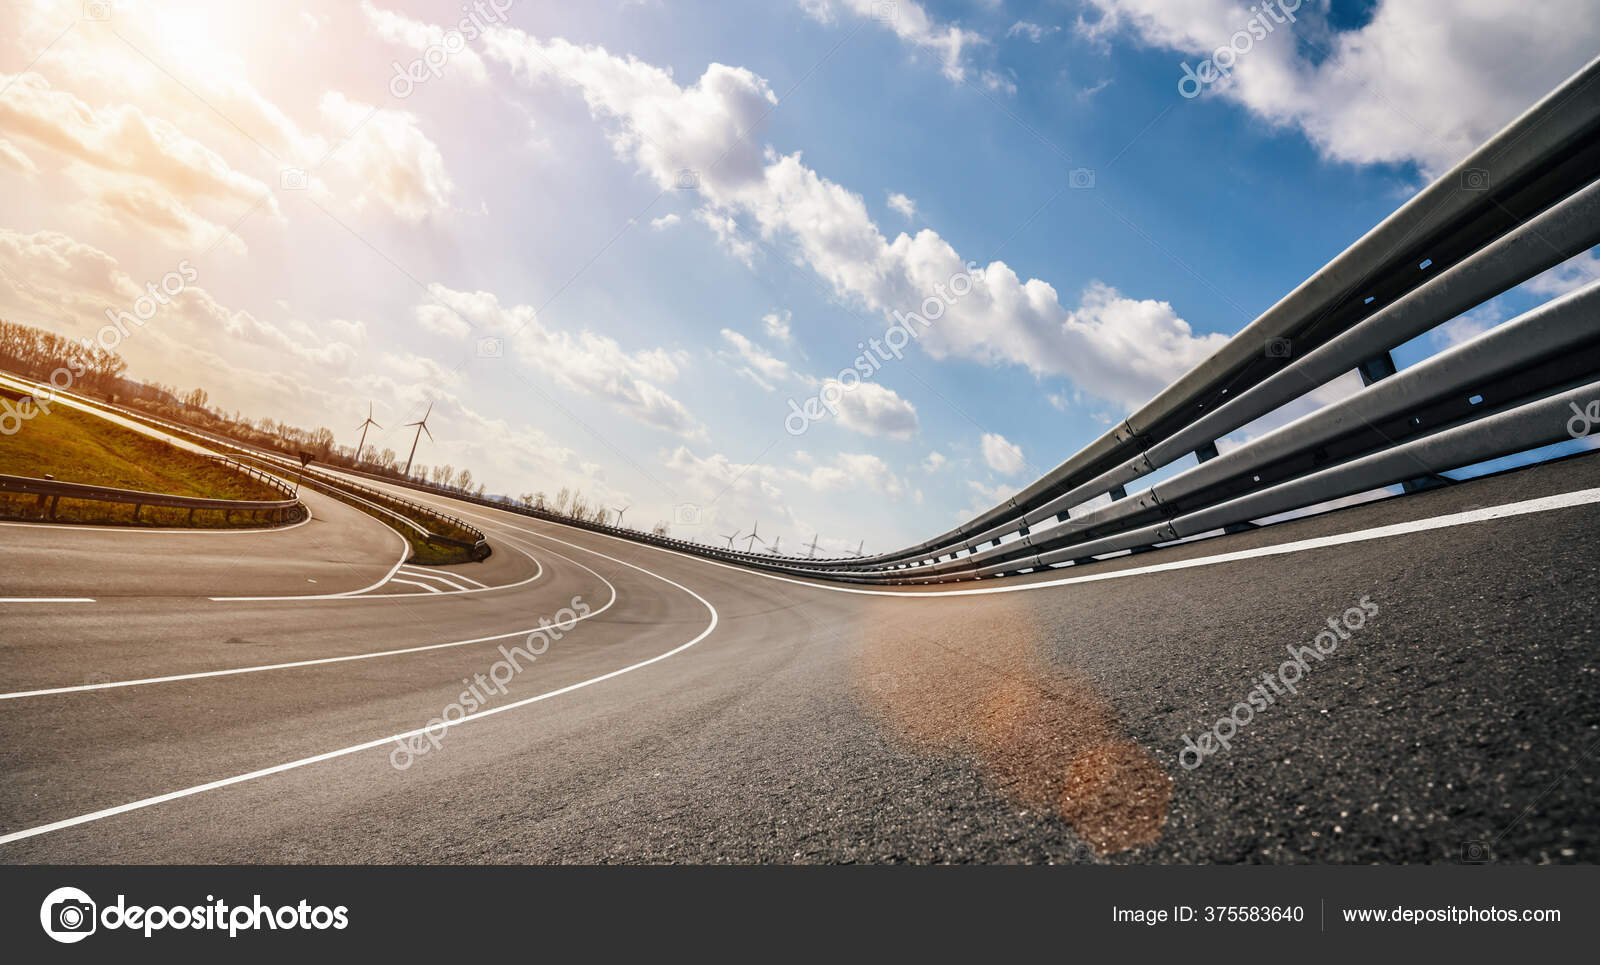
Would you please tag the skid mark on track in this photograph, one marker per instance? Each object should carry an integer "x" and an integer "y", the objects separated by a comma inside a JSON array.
[{"x": 1042, "y": 737}]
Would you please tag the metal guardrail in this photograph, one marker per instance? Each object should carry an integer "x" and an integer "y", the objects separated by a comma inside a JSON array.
[
  {"x": 55, "y": 490},
  {"x": 1524, "y": 202}
]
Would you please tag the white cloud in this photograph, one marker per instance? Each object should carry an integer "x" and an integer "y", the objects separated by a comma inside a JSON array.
[
  {"x": 123, "y": 140},
  {"x": 587, "y": 363},
  {"x": 1003, "y": 456},
  {"x": 1569, "y": 276},
  {"x": 761, "y": 366},
  {"x": 934, "y": 462},
  {"x": 776, "y": 325},
  {"x": 906, "y": 207},
  {"x": 664, "y": 222},
  {"x": 728, "y": 235},
  {"x": 443, "y": 320},
  {"x": 1032, "y": 31},
  {"x": 395, "y": 163},
  {"x": 912, "y": 23},
  {"x": 1423, "y": 80},
  {"x": 854, "y": 470},
  {"x": 996, "y": 81},
  {"x": 1117, "y": 348},
  {"x": 16, "y": 160},
  {"x": 874, "y": 410},
  {"x": 400, "y": 29}
]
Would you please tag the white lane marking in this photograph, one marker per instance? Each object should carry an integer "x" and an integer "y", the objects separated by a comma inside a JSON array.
[
  {"x": 367, "y": 594},
  {"x": 1542, "y": 504},
  {"x": 319, "y": 660},
  {"x": 447, "y": 576},
  {"x": 380, "y": 742},
  {"x": 45, "y": 599},
  {"x": 426, "y": 586},
  {"x": 435, "y": 577}
]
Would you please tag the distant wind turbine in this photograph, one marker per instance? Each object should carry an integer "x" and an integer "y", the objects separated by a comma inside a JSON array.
[
  {"x": 774, "y": 547},
  {"x": 750, "y": 542},
  {"x": 859, "y": 546},
  {"x": 731, "y": 537},
  {"x": 619, "y": 513},
  {"x": 361, "y": 447},
  {"x": 813, "y": 553},
  {"x": 422, "y": 426}
]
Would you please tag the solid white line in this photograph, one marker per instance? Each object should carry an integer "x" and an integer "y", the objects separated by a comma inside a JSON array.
[
  {"x": 1542, "y": 504},
  {"x": 320, "y": 660},
  {"x": 426, "y": 586},
  {"x": 368, "y": 745},
  {"x": 45, "y": 599},
  {"x": 448, "y": 577},
  {"x": 437, "y": 578},
  {"x": 405, "y": 554},
  {"x": 367, "y": 593}
]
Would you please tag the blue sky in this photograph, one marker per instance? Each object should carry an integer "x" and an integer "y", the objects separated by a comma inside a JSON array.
[{"x": 847, "y": 156}]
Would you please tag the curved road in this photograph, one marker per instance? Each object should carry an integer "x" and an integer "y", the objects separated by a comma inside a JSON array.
[{"x": 214, "y": 705}]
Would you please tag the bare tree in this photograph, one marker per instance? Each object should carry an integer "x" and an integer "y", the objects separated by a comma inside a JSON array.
[{"x": 562, "y": 496}]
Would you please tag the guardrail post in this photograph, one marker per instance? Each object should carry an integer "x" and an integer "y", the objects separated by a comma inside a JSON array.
[
  {"x": 53, "y": 501},
  {"x": 1376, "y": 369}
]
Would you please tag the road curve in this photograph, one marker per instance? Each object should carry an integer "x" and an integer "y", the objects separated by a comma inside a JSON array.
[{"x": 701, "y": 712}]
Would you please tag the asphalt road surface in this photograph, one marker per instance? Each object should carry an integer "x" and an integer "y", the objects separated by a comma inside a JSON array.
[{"x": 232, "y": 697}]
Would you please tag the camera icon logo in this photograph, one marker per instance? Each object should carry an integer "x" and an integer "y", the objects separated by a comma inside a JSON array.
[
  {"x": 885, "y": 11},
  {"x": 293, "y": 179},
  {"x": 97, "y": 10},
  {"x": 1080, "y": 178},
  {"x": 688, "y": 179},
  {"x": 491, "y": 347},
  {"x": 1474, "y": 179},
  {"x": 1476, "y": 852},
  {"x": 68, "y": 915},
  {"x": 1279, "y": 348},
  {"x": 686, "y": 514}
]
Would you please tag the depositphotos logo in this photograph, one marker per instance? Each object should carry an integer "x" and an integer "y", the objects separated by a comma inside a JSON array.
[{"x": 69, "y": 915}]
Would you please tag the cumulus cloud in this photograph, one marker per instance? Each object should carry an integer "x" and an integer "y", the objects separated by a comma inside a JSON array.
[
  {"x": 1422, "y": 80},
  {"x": 903, "y": 205},
  {"x": 776, "y": 325},
  {"x": 1003, "y": 456},
  {"x": 1032, "y": 31},
  {"x": 399, "y": 29},
  {"x": 912, "y": 23},
  {"x": 123, "y": 140},
  {"x": 664, "y": 222},
  {"x": 756, "y": 363},
  {"x": 854, "y": 470},
  {"x": 588, "y": 363},
  {"x": 873, "y": 409},
  {"x": 1118, "y": 348},
  {"x": 397, "y": 165}
]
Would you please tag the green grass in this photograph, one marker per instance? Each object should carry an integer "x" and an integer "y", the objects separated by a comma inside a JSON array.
[{"x": 76, "y": 446}]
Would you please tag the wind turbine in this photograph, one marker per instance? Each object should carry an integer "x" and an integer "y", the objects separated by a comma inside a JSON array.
[
  {"x": 858, "y": 545},
  {"x": 731, "y": 537},
  {"x": 813, "y": 553},
  {"x": 422, "y": 426},
  {"x": 619, "y": 513},
  {"x": 750, "y": 542},
  {"x": 773, "y": 549},
  {"x": 363, "y": 427}
]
